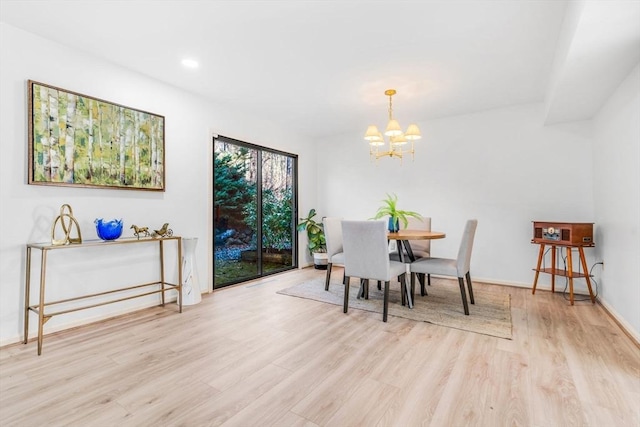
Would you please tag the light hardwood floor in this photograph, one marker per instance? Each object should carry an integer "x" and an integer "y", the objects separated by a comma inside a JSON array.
[{"x": 246, "y": 356}]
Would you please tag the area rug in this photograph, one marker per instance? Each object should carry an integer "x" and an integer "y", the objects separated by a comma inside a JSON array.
[{"x": 490, "y": 315}]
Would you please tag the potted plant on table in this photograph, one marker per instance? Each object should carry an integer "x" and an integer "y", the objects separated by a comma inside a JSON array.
[
  {"x": 390, "y": 209},
  {"x": 316, "y": 241}
]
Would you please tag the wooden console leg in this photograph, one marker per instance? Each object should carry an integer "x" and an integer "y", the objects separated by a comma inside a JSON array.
[
  {"x": 570, "y": 274},
  {"x": 540, "y": 256},
  {"x": 586, "y": 274},
  {"x": 553, "y": 269}
]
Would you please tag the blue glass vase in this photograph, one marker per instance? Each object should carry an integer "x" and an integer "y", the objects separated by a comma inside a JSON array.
[
  {"x": 108, "y": 230},
  {"x": 393, "y": 225}
]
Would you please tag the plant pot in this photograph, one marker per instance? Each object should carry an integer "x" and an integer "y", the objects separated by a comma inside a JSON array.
[
  {"x": 320, "y": 260},
  {"x": 393, "y": 225},
  {"x": 190, "y": 282}
]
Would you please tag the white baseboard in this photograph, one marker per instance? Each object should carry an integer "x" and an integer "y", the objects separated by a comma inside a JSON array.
[
  {"x": 624, "y": 325},
  {"x": 539, "y": 286}
]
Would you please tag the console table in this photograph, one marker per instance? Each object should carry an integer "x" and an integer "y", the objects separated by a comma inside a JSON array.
[{"x": 41, "y": 308}]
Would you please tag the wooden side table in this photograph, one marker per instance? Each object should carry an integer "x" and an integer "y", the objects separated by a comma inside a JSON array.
[{"x": 554, "y": 271}]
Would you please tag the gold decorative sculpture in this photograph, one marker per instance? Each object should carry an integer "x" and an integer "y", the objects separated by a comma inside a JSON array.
[
  {"x": 67, "y": 222},
  {"x": 140, "y": 231},
  {"x": 165, "y": 231}
]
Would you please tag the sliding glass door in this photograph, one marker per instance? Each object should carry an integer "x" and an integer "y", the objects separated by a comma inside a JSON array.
[{"x": 254, "y": 206}]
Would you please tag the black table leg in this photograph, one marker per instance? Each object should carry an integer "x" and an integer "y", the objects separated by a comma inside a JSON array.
[{"x": 412, "y": 257}]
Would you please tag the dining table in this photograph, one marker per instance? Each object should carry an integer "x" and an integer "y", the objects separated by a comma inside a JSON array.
[{"x": 402, "y": 238}]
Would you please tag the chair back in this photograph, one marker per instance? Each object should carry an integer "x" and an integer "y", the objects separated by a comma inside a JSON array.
[
  {"x": 333, "y": 235},
  {"x": 366, "y": 252},
  {"x": 417, "y": 224},
  {"x": 464, "y": 253}
]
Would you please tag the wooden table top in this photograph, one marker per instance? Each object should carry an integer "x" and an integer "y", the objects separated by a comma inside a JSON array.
[{"x": 416, "y": 235}]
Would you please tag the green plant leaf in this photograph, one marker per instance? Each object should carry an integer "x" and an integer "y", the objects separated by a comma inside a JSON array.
[
  {"x": 390, "y": 208},
  {"x": 315, "y": 233}
]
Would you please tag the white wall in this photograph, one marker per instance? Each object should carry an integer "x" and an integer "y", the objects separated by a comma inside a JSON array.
[
  {"x": 28, "y": 211},
  {"x": 502, "y": 167},
  {"x": 616, "y": 187}
]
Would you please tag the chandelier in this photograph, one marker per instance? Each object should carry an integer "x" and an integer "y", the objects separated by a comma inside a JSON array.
[{"x": 398, "y": 140}]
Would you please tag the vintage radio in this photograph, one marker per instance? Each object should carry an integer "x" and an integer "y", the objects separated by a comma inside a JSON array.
[{"x": 563, "y": 233}]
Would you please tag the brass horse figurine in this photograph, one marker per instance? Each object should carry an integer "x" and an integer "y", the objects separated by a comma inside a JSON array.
[{"x": 137, "y": 231}]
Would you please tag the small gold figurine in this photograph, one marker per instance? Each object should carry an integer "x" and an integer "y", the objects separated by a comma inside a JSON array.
[
  {"x": 68, "y": 223},
  {"x": 165, "y": 231},
  {"x": 138, "y": 231}
]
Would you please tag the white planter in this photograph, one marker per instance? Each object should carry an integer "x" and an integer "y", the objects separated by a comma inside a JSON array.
[
  {"x": 320, "y": 260},
  {"x": 190, "y": 284}
]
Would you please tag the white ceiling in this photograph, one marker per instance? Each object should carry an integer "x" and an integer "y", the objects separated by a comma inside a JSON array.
[{"x": 321, "y": 67}]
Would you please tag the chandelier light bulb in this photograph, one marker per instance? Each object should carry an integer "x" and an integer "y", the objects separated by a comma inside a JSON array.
[
  {"x": 399, "y": 140},
  {"x": 413, "y": 132},
  {"x": 372, "y": 133},
  {"x": 393, "y": 128}
]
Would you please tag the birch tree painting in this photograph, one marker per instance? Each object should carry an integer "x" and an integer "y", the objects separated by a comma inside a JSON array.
[{"x": 82, "y": 141}]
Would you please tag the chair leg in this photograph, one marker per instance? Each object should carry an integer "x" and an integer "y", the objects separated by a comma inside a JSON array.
[
  {"x": 385, "y": 309},
  {"x": 470, "y": 288},
  {"x": 464, "y": 295},
  {"x": 424, "y": 279},
  {"x": 379, "y": 285},
  {"x": 423, "y": 291},
  {"x": 366, "y": 288},
  {"x": 346, "y": 293},
  {"x": 328, "y": 279},
  {"x": 407, "y": 290},
  {"x": 413, "y": 284},
  {"x": 428, "y": 279}
]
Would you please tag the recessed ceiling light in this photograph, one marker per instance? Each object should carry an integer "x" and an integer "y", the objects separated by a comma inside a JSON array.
[{"x": 190, "y": 63}]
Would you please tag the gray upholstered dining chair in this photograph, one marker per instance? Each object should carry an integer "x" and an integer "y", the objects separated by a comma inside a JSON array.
[
  {"x": 458, "y": 267},
  {"x": 420, "y": 248},
  {"x": 333, "y": 239},
  {"x": 366, "y": 256}
]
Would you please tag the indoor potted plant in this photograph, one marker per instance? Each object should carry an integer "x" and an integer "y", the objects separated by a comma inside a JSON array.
[
  {"x": 316, "y": 241},
  {"x": 390, "y": 209}
]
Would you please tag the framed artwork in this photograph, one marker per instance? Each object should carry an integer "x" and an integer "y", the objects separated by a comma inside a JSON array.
[{"x": 80, "y": 141}]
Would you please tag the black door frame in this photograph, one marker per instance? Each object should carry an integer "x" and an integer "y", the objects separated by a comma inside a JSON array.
[{"x": 294, "y": 184}]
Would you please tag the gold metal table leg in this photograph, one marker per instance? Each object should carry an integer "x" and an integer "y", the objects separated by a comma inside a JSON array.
[
  {"x": 27, "y": 287},
  {"x": 162, "y": 269},
  {"x": 41, "y": 319}
]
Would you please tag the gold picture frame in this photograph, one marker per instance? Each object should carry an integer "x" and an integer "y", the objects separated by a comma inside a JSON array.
[{"x": 81, "y": 141}]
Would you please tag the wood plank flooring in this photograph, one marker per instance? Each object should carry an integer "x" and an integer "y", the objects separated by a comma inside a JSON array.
[{"x": 246, "y": 356}]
